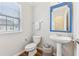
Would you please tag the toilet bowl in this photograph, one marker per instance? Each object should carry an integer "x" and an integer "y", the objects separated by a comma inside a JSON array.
[{"x": 31, "y": 47}]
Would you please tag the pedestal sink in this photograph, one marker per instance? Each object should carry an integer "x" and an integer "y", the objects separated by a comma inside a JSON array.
[{"x": 60, "y": 40}]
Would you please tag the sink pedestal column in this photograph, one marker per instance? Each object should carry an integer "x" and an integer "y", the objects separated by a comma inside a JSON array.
[{"x": 59, "y": 49}]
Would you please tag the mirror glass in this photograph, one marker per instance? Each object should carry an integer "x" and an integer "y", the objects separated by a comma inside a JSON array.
[{"x": 61, "y": 17}]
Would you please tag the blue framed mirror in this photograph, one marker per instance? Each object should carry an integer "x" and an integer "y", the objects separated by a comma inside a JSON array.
[{"x": 61, "y": 17}]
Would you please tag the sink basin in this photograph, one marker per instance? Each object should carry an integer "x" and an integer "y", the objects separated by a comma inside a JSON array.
[{"x": 60, "y": 39}]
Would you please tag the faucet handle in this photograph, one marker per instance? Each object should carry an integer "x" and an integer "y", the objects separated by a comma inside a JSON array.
[{"x": 77, "y": 41}]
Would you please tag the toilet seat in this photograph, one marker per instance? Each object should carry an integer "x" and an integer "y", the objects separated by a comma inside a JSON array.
[{"x": 30, "y": 47}]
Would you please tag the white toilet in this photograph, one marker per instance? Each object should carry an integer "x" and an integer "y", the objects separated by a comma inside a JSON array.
[{"x": 31, "y": 48}]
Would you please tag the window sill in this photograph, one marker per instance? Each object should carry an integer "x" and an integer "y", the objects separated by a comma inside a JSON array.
[{"x": 10, "y": 32}]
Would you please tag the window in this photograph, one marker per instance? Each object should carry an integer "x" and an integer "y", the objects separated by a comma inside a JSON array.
[{"x": 9, "y": 17}]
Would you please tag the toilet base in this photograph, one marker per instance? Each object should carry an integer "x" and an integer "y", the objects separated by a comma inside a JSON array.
[{"x": 32, "y": 53}]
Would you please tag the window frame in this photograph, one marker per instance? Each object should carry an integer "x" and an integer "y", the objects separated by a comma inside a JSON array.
[{"x": 20, "y": 29}]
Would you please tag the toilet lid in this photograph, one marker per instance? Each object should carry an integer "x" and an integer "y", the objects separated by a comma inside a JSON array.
[{"x": 31, "y": 45}]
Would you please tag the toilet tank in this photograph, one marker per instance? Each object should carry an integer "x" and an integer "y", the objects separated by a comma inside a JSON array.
[{"x": 36, "y": 39}]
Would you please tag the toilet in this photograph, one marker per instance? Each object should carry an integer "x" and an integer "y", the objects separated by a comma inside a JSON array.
[{"x": 31, "y": 48}]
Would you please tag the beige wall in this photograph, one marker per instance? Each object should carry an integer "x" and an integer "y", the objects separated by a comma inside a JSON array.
[{"x": 11, "y": 43}]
